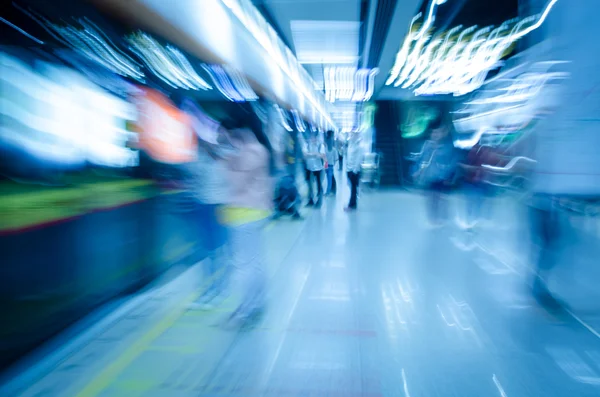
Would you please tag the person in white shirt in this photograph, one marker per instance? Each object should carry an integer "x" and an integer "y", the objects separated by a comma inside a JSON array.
[
  {"x": 314, "y": 159},
  {"x": 206, "y": 181},
  {"x": 354, "y": 158}
]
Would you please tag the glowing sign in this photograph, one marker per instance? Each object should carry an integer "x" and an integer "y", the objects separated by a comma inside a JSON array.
[{"x": 165, "y": 132}]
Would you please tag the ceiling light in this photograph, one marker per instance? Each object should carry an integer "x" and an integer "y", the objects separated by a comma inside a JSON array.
[
  {"x": 440, "y": 65},
  {"x": 167, "y": 63},
  {"x": 349, "y": 83},
  {"x": 251, "y": 18}
]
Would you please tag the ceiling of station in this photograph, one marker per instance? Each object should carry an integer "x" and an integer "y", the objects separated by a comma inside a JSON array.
[
  {"x": 337, "y": 32},
  {"x": 326, "y": 42}
]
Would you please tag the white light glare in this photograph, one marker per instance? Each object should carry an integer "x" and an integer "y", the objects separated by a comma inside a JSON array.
[
  {"x": 168, "y": 64},
  {"x": 300, "y": 126},
  {"x": 349, "y": 83},
  {"x": 284, "y": 120},
  {"x": 252, "y": 19},
  {"x": 428, "y": 68},
  {"x": 91, "y": 43}
]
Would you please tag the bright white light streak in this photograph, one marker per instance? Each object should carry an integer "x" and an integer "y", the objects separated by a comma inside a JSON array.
[
  {"x": 510, "y": 164},
  {"x": 284, "y": 120},
  {"x": 472, "y": 141},
  {"x": 540, "y": 20},
  {"x": 499, "y": 386},
  {"x": 191, "y": 73},
  {"x": 18, "y": 29},
  {"x": 403, "y": 53},
  {"x": 228, "y": 93},
  {"x": 300, "y": 126},
  {"x": 429, "y": 18},
  {"x": 371, "y": 84},
  {"x": 241, "y": 84},
  {"x": 405, "y": 384},
  {"x": 472, "y": 60},
  {"x": 302, "y": 82}
]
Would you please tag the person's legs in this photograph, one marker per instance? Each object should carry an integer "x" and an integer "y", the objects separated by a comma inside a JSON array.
[
  {"x": 474, "y": 202},
  {"x": 333, "y": 182},
  {"x": 545, "y": 232},
  {"x": 308, "y": 178},
  {"x": 353, "y": 178},
  {"x": 318, "y": 177},
  {"x": 214, "y": 239},
  {"x": 249, "y": 267},
  {"x": 329, "y": 173},
  {"x": 435, "y": 193},
  {"x": 487, "y": 202}
]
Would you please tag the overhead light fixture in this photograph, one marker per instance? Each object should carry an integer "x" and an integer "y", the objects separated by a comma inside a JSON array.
[
  {"x": 349, "y": 83},
  {"x": 166, "y": 62},
  {"x": 88, "y": 40},
  {"x": 284, "y": 120},
  {"x": 18, "y": 29},
  {"x": 444, "y": 65},
  {"x": 300, "y": 126},
  {"x": 265, "y": 35},
  {"x": 231, "y": 83}
]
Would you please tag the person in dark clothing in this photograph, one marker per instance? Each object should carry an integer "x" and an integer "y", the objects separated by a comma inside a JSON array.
[
  {"x": 437, "y": 166},
  {"x": 545, "y": 232},
  {"x": 332, "y": 157},
  {"x": 474, "y": 178}
]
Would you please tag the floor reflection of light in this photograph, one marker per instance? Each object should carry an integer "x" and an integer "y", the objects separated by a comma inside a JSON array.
[
  {"x": 405, "y": 384},
  {"x": 448, "y": 323},
  {"x": 462, "y": 246},
  {"x": 463, "y": 224},
  {"x": 499, "y": 386},
  {"x": 498, "y": 258},
  {"x": 269, "y": 368},
  {"x": 389, "y": 317},
  {"x": 405, "y": 294},
  {"x": 397, "y": 301},
  {"x": 574, "y": 366},
  {"x": 458, "y": 323}
]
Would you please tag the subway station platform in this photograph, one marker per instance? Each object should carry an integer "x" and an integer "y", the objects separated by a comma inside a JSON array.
[{"x": 372, "y": 303}]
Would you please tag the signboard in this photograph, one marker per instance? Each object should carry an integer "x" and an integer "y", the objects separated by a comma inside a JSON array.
[{"x": 165, "y": 132}]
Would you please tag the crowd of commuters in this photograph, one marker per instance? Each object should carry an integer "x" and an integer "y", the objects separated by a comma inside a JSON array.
[
  {"x": 440, "y": 167},
  {"x": 230, "y": 192},
  {"x": 322, "y": 152}
]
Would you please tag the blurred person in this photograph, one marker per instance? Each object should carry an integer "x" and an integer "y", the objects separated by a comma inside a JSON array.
[
  {"x": 478, "y": 190},
  {"x": 287, "y": 198},
  {"x": 291, "y": 155},
  {"x": 314, "y": 158},
  {"x": 341, "y": 149},
  {"x": 436, "y": 170},
  {"x": 206, "y": 179},
  {"x": 565, "y": 143},
  {"x": 332, "y": 157},
  {"x": 545, "y": 230},
  {"x": 247, "y": 213},
  {"x": 354, "y": 158}
]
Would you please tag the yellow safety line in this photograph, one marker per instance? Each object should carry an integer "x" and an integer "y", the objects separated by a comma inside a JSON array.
[
  {"x": 114, "y": 369},
  {"x": 104, "y": 379},
  {"x": 101, "y": 381}
]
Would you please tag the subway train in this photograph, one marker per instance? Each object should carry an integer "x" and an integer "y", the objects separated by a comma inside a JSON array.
[{"x": 91, "y": 126}]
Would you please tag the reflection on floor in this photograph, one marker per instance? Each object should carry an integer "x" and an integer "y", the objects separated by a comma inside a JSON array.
[{"x": 372, "y": 303}]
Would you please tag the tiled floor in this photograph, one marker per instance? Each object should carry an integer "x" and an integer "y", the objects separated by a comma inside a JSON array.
[{"x": 373, "y": 303}]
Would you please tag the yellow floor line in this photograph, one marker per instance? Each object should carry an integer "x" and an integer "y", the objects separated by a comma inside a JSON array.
[
  {"x": 110, "y": 373},
  {"x": 114, "y": 369}
]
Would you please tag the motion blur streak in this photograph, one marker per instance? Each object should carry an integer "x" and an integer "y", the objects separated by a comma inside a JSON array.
[{"x": 291, "y": 198}]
